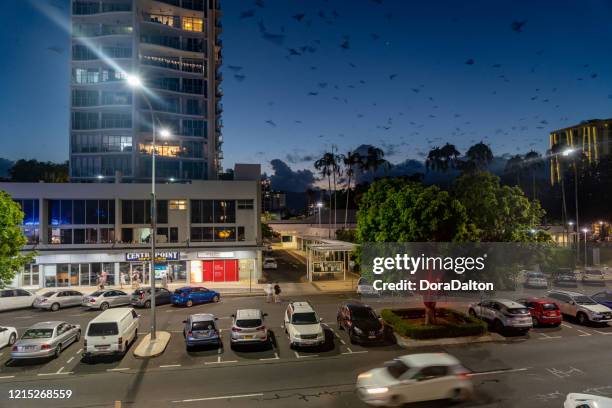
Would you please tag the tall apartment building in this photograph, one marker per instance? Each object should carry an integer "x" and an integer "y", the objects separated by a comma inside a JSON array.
[
  {"x": 592, "y": 137},
  {"x": 175, "y": 48}
]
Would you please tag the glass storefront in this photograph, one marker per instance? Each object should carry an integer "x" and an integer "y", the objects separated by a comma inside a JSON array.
[{"x": 222, "y": 270}]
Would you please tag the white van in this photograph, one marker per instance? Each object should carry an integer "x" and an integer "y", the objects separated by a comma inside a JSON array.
[{"x": 111, "y": 332}]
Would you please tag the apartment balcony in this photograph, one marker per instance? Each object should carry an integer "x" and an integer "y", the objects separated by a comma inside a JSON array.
[
  {"x": 175, "y": 43},
  {"x": 87, "y": 8},
  {"x": 174, "y": 64}
]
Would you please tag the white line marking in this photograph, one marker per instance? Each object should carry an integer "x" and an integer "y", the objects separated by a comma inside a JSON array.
[
  {"x": 169, "y": 365},
  {"x": 80, "y": 314},
  {"x": 604, "y": 333},
  {"x": 349, "y": 350},
  {"x": 583, "y": 333},
  {"x": 79, "y": 351},
  {"x": 7, "y": 376},
  {"x": 514, "y": 370},
  {"x": 549, "y": 337},
  {"x": 356, "y": 352},
  {"x": 566, "y": 325},
  {"x": 298, "y": 355},
  {"x": 60, "y": 370},
  {"x": 276, "y": 357},
  {"x": 221, "y": 362},
  {"x": 64, "y": 372},
  {"x": 342, "y": 341},
  {"x": 118, "y": 369},
  {"x": 220, "y": 398},
  {"x": 24, "y": 317},
  {"x": 69, "y": 360}
]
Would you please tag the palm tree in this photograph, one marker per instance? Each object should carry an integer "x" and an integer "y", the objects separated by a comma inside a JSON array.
[
  {"x": 442, "y": 159},
  {"x": 326, "y": 165},
  {"x": 514, "y": 166},
  {"x": 479, "y": 156},
  {"x": 534, "y": 163},
  {"x": 352, "y": 160}
]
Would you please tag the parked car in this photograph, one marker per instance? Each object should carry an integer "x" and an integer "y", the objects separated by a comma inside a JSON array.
[
  {"x": 580, "y": 306},
  {"x": 415, "y": 378},
  {"x": 303, "y": 326},
  {"x": 592, "y": 277},
  {"x": 8, "y": 336},
  {"x": 45, "y": 339},
  {"x": 565, "y": 277},
  {"x": 55, "y": 300},
  {"x": 270, "y": 263},
  {"x": 603, "y": 298},
  {"x": 575, "y": 400},
  {"x": 191, "y": 295},
  {"x": 201, "y": 329},
  {"x": 536, "y": 280},
  {"x": 365, "y": 288},
  {"x": 361, "y": 322},
  {"x": 503, "y": 314},
  {"x": 104, "y": 299},
  {"x": 141, "y": 297},
  {"x": 543, "y": 312},
  {"x": 15, "y": 299},
  {"x": 249, "y": 327},
  {"x": 111, "y": 332}
]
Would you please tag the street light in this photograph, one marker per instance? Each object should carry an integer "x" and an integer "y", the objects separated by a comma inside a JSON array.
[
  {"x": 566, "y": 153},
  {"x": 319, "y": 205},
  {"x": 135, "y": 82},
  {"x": 585, "y": 230}
]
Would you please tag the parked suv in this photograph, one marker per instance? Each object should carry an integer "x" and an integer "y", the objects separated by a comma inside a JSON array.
[
  {"x": 303, "y": 326},
  {"x": 248, "y": 327},
  {"x": 361, "y": 323},
  {"x": 580, "y": 306},
  {"x": 503, "y": 314},
  {"x": 543, "y": 312}
]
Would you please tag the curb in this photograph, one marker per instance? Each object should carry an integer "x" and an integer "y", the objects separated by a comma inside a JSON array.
[
  {"x": 408, "y": 343},
  {"x": 146, "y": 350}
]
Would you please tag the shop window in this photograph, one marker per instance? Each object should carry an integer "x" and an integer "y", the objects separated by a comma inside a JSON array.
[
  {"x": 62, "y": 275},
  {"x": 74, "y": 275},
  {"x": 84, "y": 274}
]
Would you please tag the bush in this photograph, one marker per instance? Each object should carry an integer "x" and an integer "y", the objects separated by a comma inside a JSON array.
[{"x": 465, "y": 326}]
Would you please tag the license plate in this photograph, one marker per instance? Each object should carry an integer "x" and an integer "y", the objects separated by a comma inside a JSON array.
[
  {"x": 371, "y": 337},
  {"x": 248, "y": 337},
  {"x": 27, "y": 348},
  {"x": 102, "y": 347}
]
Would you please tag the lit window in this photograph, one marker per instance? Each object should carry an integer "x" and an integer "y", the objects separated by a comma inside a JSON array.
[
  {"x": 178, "y": 204},
  {"x": 192, "y": 24}
]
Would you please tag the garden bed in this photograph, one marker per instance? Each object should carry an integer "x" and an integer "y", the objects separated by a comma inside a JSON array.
[{"x": 410, "y": 322}]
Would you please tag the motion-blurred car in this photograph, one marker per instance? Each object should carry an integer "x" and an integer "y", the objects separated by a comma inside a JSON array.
[
  {"x": 365, "y": 288},
  {"x": 361, "y": 322},
  {"x": 592, "y": 277},
  {"x": 55, "y": 300},
  {"x": 248, "y": 327},
  {"x": 270, "y": 263},
  {"x": 565, "y": 277},
  {"x": 141, "y": 297},
  {"x": 8, "y": 336},
  {"x": 191, "y": 295},
  {"x": 45, "y": 339},
  {"x": 15, "y": 299},
  {"x": 415, "y": 378},
  {"x": 543, "y": 312},
  {"x": 603, "y": 298},
  {"x": 575, "y": 400},
  {"x": 503, "y": 314},
  {"x": 104, "y": 299},
  {"x": 536, "y": 280},
  {"x": 201, "y": 329}
]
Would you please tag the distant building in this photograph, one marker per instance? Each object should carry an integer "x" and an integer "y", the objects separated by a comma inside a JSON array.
[{"x": 592, "y": 137}]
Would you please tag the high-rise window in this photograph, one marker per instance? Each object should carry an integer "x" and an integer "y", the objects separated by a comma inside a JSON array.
[
  {"x": 82, "y": 97},
  {"x": 116, "y": 120},
  {"x": 192, "y": 24},
  {"x": 85, "y": 120}
]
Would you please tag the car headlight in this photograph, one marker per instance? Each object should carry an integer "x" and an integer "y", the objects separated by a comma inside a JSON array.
[
  {"x": 297, "y": 336},
  {"x": 377, "y": 390},
  {"x": 357, "y": 330},
  {"x": 363, "y": 376}
]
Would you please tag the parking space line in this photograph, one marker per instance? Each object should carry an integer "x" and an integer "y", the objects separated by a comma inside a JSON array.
[
  {"x": 354, "y": 352},
  {"x": 69, "y": 360},
  {"x": 604, "y": 333},
  {"x": 60, "y": 370},
  {"x": 58, "y": 373},
  {"x": 547, "y": 337},
  {"x": 514, "y": 370},
  {"x": 583, "y": 333},
  {"x": 220, "y": 398},
  {"x": 276, "y": 357},
  {"x": 6, "y": 377},
  {"x": 117, "y": 369},
  {"x": 79, "y": 351},
  {"x": 298, "y": 355},
  {"x": 566, "y": 325},
  {"x": 24, "y": 317},
  {"x": 343, "y": 342},
  {"x": 169, "y": 365}
]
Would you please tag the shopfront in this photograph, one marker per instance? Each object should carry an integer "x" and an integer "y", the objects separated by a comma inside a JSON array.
[{"x": 219, "y": 266}]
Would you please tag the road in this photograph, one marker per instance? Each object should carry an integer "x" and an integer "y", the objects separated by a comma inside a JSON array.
[
  {"x": 537, "y": 370},
  {"x": 291, "y": 268}
]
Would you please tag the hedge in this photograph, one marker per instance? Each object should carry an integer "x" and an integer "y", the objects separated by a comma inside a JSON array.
[{"x": 468, "y": 326}]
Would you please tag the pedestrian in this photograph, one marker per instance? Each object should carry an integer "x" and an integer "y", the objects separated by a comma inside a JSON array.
[
  {"x": 269, "y": 290},
  {"x": 277, "y": 292},
  {"x": 122, "y": 279},
  {"x": 98, "y": 281},
  {"x": 165, "y": 280}
]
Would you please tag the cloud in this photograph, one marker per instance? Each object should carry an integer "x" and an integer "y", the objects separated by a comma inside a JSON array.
[
  {"x": 286, "y": 179},
  {"x": 296, "y": 157}
]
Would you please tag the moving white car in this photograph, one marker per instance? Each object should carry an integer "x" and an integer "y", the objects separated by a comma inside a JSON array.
[
  {"x": 111, "y": 332},
  {"x": 503, "y": 314},
  {"x": 415, "y": 378},
  {"x": 8, "y": 336},
  {"x": 535, "y": 280},
  {"x": 248, "y": 327},
  {"x": 303, "y": 326},
  {"x": 15, "y": 299},
  {"x": 575, "y": 400},
  {"x": 270, "y": 263},
  {"x": 580, "y": 306}
]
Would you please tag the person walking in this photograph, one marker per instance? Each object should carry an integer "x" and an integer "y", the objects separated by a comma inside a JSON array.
[
  {"x": 269, "y": 290},
  {"x": 277, "y": 292},
  {"x": 122, "y": 281}
]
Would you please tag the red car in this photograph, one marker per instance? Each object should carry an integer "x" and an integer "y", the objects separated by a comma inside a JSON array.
[{"x": 543, "y": 312}]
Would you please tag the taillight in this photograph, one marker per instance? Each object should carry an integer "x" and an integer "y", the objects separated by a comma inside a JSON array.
[
  {"x": 141, "y": 295},
  {"x": 92, "y": 300},
  {"x": 236, "y": 329},
  {"x": 120, "y": 341},
  {"x": 45, "y": 347},
  {"x": 189, "y": 333},
  {"x": 43, "y": 300},
  {"x": 15, "y": 348},
  {"x": 183, "y": 294}
]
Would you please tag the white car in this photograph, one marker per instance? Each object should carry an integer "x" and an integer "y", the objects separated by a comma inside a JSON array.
[
  {"x": 270, "y": 263},
  {"x": 248, "y": 327},
  {"x": 303, "y": 326},
  {"x": 503, "y": 314},
  {"x": 8, "y": 336},
  {"x": 580, "y": 306},
  {"x": 365, "y": 288},
  {"x": 15, "y": 299},
  {"x": 535, "y": 280},
  {"x": 414, "y": 378},
  {"x": 575, "y": 400}
]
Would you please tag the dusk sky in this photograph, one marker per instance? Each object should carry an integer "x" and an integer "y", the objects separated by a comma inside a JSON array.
[{"x": 402, "y": 75}]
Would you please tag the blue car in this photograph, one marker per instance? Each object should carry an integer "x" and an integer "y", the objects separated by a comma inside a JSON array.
[
  {"x": 190, "y": 295},
  {"x": 603, "y": 298},
  {"x": 200, "y": 330}
]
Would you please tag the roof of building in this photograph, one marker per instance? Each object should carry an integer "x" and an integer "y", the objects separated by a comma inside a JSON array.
[{"x": 325, "y": 218}]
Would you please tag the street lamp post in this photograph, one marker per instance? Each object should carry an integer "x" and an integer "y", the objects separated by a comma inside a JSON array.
[
  {"x": 566, "y": 153},
  {"x": 319, "y": 205},
  {"x": 585, "y": 230}
]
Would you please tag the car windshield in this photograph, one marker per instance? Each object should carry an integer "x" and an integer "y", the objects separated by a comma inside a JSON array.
[
  {"x": 304, "y": 318},
  {"x": 517, "y": 310},
  {"x": 606, "y": 297},
  {"x": 38, "y": 334},
  {"x": 396, "y": 368},
  {"x": 363, "y": 281},
  {"x": 204, "y": 325},
  {"x": 248, "y": 323},
  {"x": 363, "y": 313},
  {"x": 584, "y": 300},
  {"x": 103, "y": 329},
  {"x": 48, "y": 294},
  {"x": 97, "y": 293},
  {"x": 180, "y": 291}
]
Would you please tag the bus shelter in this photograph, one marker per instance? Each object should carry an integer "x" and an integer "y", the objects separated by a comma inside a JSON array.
[{"x": 328, "y": 260}]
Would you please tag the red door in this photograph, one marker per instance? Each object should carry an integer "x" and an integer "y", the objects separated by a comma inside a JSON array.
[
  {"x": 219, "y": 271},
  {"x": 207, "y": 271},
  {"x": 231, "y": 270}
]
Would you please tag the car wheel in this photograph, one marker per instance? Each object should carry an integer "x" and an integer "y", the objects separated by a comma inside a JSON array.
[
  {"x": 12, "y": 339},
  {"x": 147, "y": 304},
  {"x": 340, "y": 325},
  {"x": 215, "y": 298},
  {"x": 125, "y": 348},
  {"x": 77, "y": 338},
  {"x": 58, "y": 351},
  {"x": 189, "y": 303},
  {"x": 498, "y": 326},
  {"x": 534, "y": 321},
  {"x": 104, "y": 306},
  {"x": 55, "y": 307},
  {"x": 460, "y": 395},
  {"x": 472, "y": 313},
  {"x": 395, "y": 401},
  {"x": 582, "y": 318}
]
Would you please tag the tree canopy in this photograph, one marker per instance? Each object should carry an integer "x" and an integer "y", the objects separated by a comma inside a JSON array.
[{"x": 11, "y": 239}]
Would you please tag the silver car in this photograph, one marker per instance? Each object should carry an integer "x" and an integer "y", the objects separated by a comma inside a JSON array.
[
  {"x": 45, "y": 339},
  {"x": 248, "y": 327},
  {"x": 103, "y": 299},
  {"x": 56, "y": 300}
]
